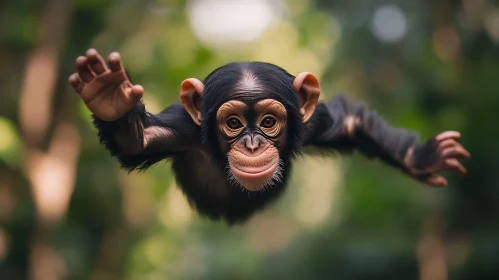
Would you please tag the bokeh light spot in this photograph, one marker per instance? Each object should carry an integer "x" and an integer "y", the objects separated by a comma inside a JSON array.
[
  {"x": 389, "y": 24},
  {"x": 222, "y": 21},
  {"x": 8, "y": 133}
]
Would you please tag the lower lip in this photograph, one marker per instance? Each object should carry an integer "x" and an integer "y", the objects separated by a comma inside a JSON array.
[
  {"x": 263, "y": 175},
  {"x": 264, "y": 172}
]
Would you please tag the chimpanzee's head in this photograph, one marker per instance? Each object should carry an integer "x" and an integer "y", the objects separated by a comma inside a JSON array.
[{"x": 251, "y": 116}]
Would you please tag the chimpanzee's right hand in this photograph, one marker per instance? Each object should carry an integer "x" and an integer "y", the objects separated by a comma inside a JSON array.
[{"x": 106, "y": 91}]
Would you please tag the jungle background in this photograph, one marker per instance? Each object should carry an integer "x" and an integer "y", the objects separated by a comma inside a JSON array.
[{"x": 68, "y": 212}]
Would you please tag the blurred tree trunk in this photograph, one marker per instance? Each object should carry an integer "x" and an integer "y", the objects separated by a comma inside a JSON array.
[{"x": 51, "y": 173}]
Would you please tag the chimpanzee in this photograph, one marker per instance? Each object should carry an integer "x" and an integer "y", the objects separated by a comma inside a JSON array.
[{"x": 233, "y": 136}]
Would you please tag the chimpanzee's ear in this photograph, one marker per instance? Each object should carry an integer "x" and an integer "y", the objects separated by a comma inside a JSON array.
[
  {"x": 190, "y": 94},
  {"x": 307, "y": 87}
]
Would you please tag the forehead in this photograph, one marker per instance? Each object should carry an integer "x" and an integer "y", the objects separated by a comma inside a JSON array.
[
  {"x": 249, "y": 89},
  {"x": 249, "y": 86},
  {"x": 250, "y": 98}
]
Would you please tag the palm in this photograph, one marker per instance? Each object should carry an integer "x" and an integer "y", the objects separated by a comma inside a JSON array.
[{"x": 108, "y": 93}]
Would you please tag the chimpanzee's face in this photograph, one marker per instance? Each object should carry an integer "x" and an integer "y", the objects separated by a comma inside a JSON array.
[{"x": 251, "y": 135}]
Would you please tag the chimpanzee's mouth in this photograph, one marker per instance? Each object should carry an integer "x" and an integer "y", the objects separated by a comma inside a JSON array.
[{"x": 254, "y": 178}]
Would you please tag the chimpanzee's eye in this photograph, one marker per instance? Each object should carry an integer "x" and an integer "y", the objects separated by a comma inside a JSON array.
[
  {"x": 234, "y": 123},
  {"x": 268, "y": 122}
]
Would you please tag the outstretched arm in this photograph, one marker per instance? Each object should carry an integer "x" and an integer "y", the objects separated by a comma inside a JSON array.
[
  {"x": 137, "y": 138},
  {"x": 346, "y": 126},
  {"x": 140, "y": 139}
]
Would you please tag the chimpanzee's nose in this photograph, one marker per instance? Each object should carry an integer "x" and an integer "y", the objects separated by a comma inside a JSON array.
[{"x": 252, "y": 142}]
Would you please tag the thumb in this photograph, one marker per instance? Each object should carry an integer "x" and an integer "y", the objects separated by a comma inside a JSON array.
[{"x": 136, "y": 93}]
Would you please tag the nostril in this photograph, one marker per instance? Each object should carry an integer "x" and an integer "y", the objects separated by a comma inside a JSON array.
[{"x": 252, "y": 145}]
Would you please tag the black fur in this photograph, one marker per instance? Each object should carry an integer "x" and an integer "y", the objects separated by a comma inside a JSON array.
[
  {"x": 372, "y": 136},
  {"x": 199, "y": 164},
  {"x": 173, "y": 117}
]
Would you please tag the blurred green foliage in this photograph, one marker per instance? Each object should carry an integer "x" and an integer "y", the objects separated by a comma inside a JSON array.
[{"x": 342, "y": 218}]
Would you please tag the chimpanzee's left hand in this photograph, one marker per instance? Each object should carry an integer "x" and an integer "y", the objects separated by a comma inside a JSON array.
[{"x": 441, "y": 153}]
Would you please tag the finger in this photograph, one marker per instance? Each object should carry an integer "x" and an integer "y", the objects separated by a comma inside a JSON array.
[
  {"x": 457, "y": 152},
  {"x": 454, "y": 164},
  {"x": 115, "y": 63},
  {"x": 437, "y": 181},
  {"x": 83, "y": 70},
  {"x": 75, "y": 82},
  {"x": 448, "y": 135},
  {"x": 96, "y": 62},
  {"x": 449, "y": 143}
]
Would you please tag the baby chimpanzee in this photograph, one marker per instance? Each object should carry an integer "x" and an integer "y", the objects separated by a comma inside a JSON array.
[{"x": 235, "y": 133}]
